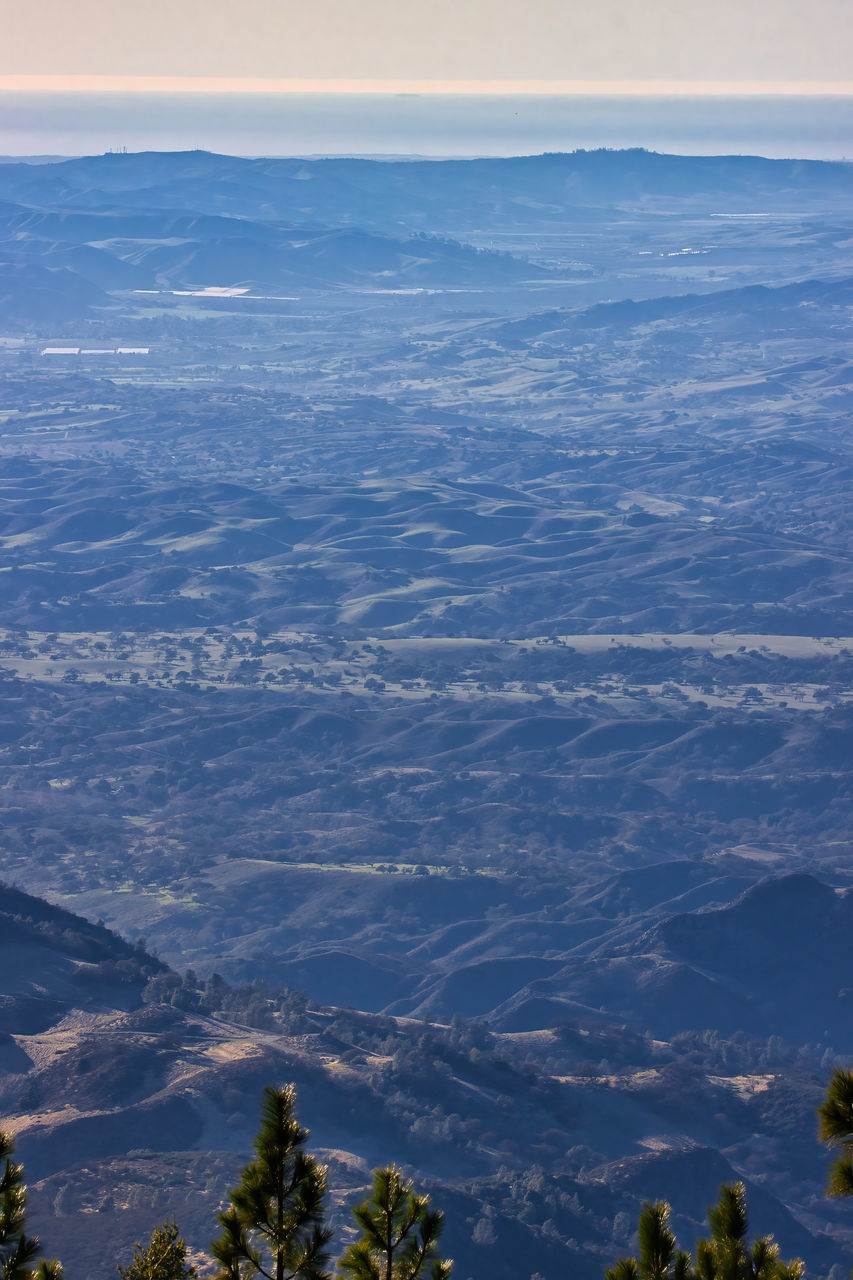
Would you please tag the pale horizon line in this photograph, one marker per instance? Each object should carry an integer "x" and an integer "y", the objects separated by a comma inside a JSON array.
[{"x": 521, "y": 88}]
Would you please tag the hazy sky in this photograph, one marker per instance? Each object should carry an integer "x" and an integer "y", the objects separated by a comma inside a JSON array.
[{"x": 752, "y": 42}]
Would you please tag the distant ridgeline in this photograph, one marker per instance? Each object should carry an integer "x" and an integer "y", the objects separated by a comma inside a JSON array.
[{"x": 77, "y": 232}]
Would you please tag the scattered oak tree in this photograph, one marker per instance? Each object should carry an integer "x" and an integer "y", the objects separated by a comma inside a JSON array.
[
  {"x": 18, "y": 1251},
  {"x": 399, "y": 1234},
  {"x": 275, "y": 1224},
  {"x": 163, "y": 1258}
]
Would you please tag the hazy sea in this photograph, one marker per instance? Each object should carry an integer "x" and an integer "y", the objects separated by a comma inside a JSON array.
[{"x": 412, "y": 124}]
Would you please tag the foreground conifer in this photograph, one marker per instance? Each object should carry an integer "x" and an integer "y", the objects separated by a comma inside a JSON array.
[
  {"x": 836, "y": 1130},
  {"x": 399, "y": 1234},
  {"x": 725, "y": 1255},
  {"x": 163, "y": 1258},
  {"x": 275, "y": 1224},
  {"x": 18, "y": 1251},
  {"x": 658, "y": 1259}
]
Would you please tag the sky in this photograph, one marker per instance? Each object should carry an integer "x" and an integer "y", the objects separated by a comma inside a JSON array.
[{"x": 430, "y": 45}]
